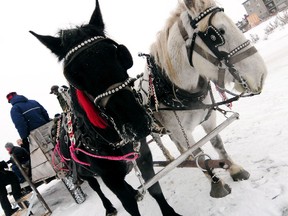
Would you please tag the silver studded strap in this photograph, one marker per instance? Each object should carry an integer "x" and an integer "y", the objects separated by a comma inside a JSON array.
[
  {"x": 84, "y": 43},
  {"x": 114, "y": 90}
]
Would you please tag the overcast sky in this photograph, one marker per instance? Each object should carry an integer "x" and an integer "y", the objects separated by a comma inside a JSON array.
[{"x": 29, "y": 68}]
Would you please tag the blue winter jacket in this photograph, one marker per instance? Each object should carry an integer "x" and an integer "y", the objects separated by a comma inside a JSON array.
[{"x": 27, "y": 115}]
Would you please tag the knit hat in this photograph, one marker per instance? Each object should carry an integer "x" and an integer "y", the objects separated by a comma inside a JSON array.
[
  {"x": 9, "y": 145},
  {"x": 54, "y": 88},
  {"x": 10, "y": 96}
]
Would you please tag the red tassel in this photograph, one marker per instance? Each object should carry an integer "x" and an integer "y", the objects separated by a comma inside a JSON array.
[{"x": 91, "y": 111}]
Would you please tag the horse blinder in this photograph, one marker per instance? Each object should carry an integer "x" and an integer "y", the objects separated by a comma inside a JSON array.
[{"x": 212, "y": 36}]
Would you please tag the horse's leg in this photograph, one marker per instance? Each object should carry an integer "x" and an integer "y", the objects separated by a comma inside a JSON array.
[
  {"x": 165, "y": 151},
  {"x": 93, "y": 183},
  {"x": 236, "y": 171},
  {"x": 145, "y": 164},
  {"x": 181, "y": 135},
  {"x": 183, "y": 142},
  {"x": 218, "y": 189},
  {"x": 118, "y": 186},
  {"x": 179, "y": 146}
]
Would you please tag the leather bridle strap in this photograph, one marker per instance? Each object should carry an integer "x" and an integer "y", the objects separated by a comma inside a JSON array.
[
  {"x": 240, "y": 56},
  {"x": 206, "y": 55}
]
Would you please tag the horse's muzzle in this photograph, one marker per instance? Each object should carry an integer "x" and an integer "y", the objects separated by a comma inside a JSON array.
[{"x": 136, "y": 131}]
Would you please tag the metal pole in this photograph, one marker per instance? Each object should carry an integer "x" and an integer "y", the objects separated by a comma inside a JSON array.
[
  {"x": 39, "y": 196},
  {"x": 186, "y": 154}
]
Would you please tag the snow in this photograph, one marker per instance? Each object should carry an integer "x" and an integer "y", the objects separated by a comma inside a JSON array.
[{"x": 257, "y": 141}]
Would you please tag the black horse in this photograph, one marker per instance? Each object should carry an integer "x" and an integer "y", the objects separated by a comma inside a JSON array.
[{"x": 107, "y": 121}]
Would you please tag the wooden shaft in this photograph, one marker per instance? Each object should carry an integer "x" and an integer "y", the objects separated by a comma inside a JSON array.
[
  {"x": 186, "y": 154},
  {"x": 39, "y": 196}
]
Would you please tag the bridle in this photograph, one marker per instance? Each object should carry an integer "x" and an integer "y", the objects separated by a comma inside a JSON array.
[
  {"x": 100, "y": 100},
  {"x": 113, "y": 89},
  {"x": 213, "y": 39},
  {"x": 78, "y": 49},
  {"x": 89, "y": 149}
]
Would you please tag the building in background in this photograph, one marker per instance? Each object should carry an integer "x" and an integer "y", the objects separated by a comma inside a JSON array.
[
  {"x": 260, "y": 10},
  {"x": 264, "y": 8}
]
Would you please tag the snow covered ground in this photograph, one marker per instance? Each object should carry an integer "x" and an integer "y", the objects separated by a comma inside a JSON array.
[{"x": 258, "y": 141}]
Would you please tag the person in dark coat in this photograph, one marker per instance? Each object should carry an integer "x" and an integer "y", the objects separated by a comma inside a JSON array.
[
  {"x": 26, "y": 115},
  {"x": 8, "y": 178},
  {"x": 20, "y": 143},
  {"x": 22, "y": 156},
  {"x": 63, "y": 97}
]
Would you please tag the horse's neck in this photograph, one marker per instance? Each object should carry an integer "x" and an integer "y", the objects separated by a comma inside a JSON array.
[{"x": 187, "y": 77}]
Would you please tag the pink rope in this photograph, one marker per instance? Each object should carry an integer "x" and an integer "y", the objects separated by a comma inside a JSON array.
[
  {"x": 62, "y": 158},
  {"x": 73, "y": 150},
  {"x": 223, "y": 96},
  {"x": 74, "y": 156},
  {"x": 126, "y": 157}
]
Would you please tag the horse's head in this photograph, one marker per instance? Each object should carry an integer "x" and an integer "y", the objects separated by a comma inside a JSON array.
[
  {"x": 219, "y": 44},
  {"x": 200, "y": 39},
  {"x": 97, "y": 66}
]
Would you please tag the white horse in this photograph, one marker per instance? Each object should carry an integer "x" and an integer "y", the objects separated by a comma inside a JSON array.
[{"x": 199, "y": 44}]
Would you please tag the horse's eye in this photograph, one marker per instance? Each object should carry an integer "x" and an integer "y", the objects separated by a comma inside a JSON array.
[{"x": 222, "y": 31}]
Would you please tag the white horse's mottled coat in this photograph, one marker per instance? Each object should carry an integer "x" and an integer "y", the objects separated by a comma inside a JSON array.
[{"x": 170, "y": 54}]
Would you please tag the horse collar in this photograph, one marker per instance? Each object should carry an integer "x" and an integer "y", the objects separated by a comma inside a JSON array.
[
  {"x": 173, "y": 96},
  {"x": 99, "y": 118}
]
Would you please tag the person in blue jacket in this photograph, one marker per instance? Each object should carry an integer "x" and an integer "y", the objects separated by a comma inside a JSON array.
[{"x": 26, "y": 115}]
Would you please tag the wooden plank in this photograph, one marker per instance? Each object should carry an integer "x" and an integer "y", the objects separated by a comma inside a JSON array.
[
  {"x": 41, "y": 150},
  {"x": 40, "y": 137},
  {"x": 37, "y": 158},
  {"x": 42, "y": 172}
]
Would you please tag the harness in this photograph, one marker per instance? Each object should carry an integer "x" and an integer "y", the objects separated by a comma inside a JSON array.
[
  {"x": 175, "y": 98},
  {"x": 171, "y": 95},
  {"x": 75, "y": 139},
  {"x": 82, "y": 138},
  {"x": 90, "y": 150}
]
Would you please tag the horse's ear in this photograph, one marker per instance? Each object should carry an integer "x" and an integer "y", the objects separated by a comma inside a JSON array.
[
  {"x": 189, "y": 3},
  {"x": 124, "y": 56},
  {"x": 96, "y": 18},
  {"x": 52, "y": 43}
]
